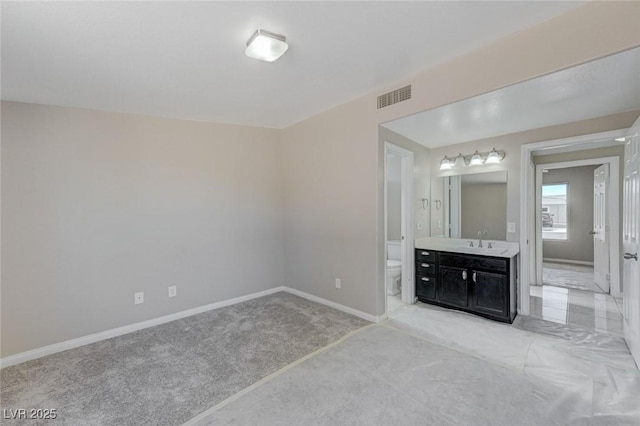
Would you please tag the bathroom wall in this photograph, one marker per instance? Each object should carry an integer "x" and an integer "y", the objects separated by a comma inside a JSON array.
[
  {"x": 483, "y": 209},
  {"x": 394, "y": 197},
  {"x": 512, "y": 144},
  {"x": 437, "y": 207},
  {"x": 97, "y": 206},
  {"x": 421, "y": 178}
]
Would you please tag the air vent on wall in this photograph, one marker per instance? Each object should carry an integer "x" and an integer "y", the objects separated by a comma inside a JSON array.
[{"x": 395, "y": 96}]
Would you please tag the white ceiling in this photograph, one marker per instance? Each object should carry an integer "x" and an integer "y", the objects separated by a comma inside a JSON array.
[
  {"x": 595, "y": 89},
  {"x": 186, "y": 59}
]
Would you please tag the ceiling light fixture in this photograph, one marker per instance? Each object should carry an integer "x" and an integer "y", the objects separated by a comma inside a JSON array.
[
  {"x": 622, "y": 139},
  {"x": 460, "y": 161},
  {"x": 266, "y": 46}
]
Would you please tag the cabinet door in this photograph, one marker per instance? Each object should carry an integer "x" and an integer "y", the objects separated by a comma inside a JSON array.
[
  {"x": 426, "y": 287},
  {"x": 453, "y": 287},
  {"x": 489, "y": 293}
]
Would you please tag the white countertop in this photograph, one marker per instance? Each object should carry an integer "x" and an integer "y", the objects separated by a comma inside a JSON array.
[{"x": 457, "y": 245}]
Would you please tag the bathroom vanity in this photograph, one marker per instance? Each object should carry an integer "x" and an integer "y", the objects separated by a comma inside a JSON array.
[{"x": 480, "y": 280}]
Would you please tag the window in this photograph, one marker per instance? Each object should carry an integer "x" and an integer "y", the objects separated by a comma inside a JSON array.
[{"x": 555, "y": 217}]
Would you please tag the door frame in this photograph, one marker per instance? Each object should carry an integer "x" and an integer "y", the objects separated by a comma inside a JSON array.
[
  {"x": 614, "y": 214},
  {"x": 407, "y": 220},
  {"x": 528, "y": 272}
]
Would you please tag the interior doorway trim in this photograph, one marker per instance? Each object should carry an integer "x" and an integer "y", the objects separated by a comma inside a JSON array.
[
  {"x": 614, "y": 215},
  {"x": 527, "y": 205},
  {"x": 407, "y": 221}
]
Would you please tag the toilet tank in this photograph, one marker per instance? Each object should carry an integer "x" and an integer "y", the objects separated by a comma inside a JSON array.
[{"x": 393, "y": 250}]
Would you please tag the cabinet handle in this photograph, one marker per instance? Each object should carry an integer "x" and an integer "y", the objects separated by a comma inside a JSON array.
[
  {"x": 474, "y": 277},
  {"x": 425, "y": 253},
  {"x": 464, "y": 275},
  {"x": 424, "y": 279},
  {"x": 425, "y": 265}
]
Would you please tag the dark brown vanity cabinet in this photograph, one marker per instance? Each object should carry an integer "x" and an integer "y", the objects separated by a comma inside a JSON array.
[{"x": 483, "y": 285}]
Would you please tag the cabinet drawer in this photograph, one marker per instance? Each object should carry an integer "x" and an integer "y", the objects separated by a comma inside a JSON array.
[
  {"x": 425, "y": 256},
  {"x": 474, "y": 262},
  {"x": 426, "y": 268},
  {"x": 426, "y": 287}
]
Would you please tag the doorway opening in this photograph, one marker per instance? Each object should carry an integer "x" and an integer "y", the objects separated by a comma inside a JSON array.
[
  {"x": 577, "y": 239},
  {"x": 398, "y": 220}
]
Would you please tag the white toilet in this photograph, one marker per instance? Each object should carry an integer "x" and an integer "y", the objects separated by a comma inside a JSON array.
[{"x": 394, "y": 268}]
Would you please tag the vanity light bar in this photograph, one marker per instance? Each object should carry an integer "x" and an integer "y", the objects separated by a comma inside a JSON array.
[{"x": 476, "y": 159}]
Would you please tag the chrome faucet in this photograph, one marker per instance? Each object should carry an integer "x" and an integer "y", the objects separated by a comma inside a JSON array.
[{"x": 480, "y": 235}]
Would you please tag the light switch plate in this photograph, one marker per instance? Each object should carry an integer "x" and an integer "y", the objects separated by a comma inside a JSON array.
[{"x": 511, "y": 227}]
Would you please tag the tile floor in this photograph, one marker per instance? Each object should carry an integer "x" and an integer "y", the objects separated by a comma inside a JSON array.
[
  {"x": 583, "y": 309},
  {"x": 568, "y": 297},
  {"x": 568, "y": 275},
  {"x": 394, "y": 303},
  {"x": 427, "y": 365}
]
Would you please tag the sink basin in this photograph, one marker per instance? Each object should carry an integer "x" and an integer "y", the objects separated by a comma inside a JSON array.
[{"x": 483, "y": 250}]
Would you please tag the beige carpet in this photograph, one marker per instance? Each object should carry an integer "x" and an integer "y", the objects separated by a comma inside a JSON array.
[{"x": 167, "y": 374}]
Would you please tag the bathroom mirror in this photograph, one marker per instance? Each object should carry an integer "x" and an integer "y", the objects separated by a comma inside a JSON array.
[{"x": 465, "y": 204}]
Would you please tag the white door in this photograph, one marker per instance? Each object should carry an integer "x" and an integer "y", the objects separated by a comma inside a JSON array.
[
  {"x": 601, "y": 228},
  {"x": 631, "y": 241}
]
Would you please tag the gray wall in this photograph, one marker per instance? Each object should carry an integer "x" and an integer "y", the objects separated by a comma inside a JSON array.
[
  {"x": 97, "y": 206},
  {"x": 334, "y": 210},
  {"x": 421, "y": 177},
  {"x": 579, "y": 246},
  {"x": 484, "y": 208},
  {"x": 437, "y": 227}
]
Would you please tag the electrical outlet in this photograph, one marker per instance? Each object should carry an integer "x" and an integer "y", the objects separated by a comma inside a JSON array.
[
  {"x": 511, "y": 227},
  {"x": 172, "y": 291},
  {"x": 419, "y": 225},
  {"x": 338, "y": 283},
  {"x": 138, "y": 298}
]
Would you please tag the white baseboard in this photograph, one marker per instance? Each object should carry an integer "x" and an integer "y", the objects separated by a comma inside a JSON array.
[
  {"x": 103, "y": 335},
  {"x": 572, "y": 262},
  {"x": 343, "y": 308}
]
